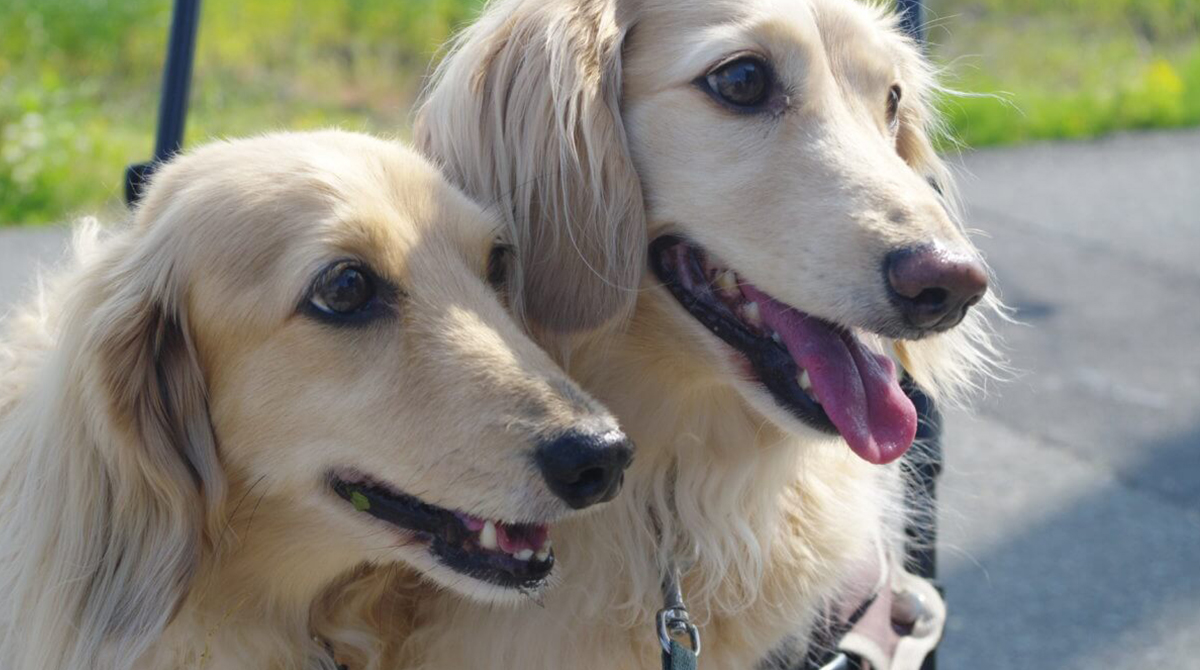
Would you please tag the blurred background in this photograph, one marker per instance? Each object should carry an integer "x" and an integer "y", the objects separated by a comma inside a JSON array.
[
  {"x": 79, "y": 79},
  {"x": 1070, "y": 511}
]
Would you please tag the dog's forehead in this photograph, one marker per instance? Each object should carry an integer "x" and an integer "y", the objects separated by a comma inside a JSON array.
[
  {"x": 858, "y": 40},
  {"x": 418, "y": 223},
  {"x": 273, "y": 211},
  {"x": 685, "y": 39},
  {"x": 382, "y": 202}
]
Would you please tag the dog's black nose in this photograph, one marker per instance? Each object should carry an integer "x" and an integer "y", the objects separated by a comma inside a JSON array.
[
  {"x": 934, "y": 287},
  {"x": 585, "y": 468}
]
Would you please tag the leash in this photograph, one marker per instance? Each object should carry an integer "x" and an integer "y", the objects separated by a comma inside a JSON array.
[{"x": 673, "y": 624}]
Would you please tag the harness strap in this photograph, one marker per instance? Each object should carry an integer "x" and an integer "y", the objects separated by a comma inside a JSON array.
[
  {"x": 824, "y": 651},
  {"x": 897, "y": 629},
  {"x": 903, "y": 632}
]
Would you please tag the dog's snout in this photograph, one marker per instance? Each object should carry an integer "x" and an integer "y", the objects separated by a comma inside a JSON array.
[
  {"x": 934, "y": 287},
  {"x": 585, "y": 468}
]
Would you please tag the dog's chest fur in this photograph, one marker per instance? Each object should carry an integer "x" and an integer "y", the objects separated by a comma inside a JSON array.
[{"x": 771, "y": 525}]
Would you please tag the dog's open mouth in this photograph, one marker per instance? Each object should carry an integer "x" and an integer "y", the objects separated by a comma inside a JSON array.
[
  {"x": 512, "y": 555},
  {"x": 819, "y": 371}
]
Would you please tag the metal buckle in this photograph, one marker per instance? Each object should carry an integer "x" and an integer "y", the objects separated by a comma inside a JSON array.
[
  {"x": 674, "y": 622},
  {"x": 672, "y": 619}
]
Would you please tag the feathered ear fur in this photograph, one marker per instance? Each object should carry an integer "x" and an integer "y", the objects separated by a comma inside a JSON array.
[
  {"x": 110, "y": 465},
  {"x": 524, "y": 113}
]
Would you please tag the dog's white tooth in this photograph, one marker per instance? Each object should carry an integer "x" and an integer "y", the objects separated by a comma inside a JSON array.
[
  {"x": 542, "y": 555},
  {"x": 546, "y": 544},
  {"x": 775, "y": 336},
  {"x": 487, "y": 536},
  {"x": 524, "y": 554},
  {"x": 806, "y": 385},
  {"x": 727, "y": 281},
  {"x": 751, "y": 313}
]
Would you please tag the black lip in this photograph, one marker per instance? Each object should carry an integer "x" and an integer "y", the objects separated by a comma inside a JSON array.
[
  {"x": 771, "y": 362},
  {"x": 449, "y": 539}
]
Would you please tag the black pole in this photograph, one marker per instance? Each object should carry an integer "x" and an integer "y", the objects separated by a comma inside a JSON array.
[{"x": 172, "y": 109}]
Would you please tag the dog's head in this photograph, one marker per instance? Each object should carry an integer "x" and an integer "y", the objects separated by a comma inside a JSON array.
[
  {"x": 773, "y": 160},
  {"x": 314, "y": 322}
]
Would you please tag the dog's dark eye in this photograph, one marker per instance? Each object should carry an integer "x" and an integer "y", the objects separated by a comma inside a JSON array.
[
  {"x": 744, "y": 82},
  {"x": 893, "y": 105},
  {"x": 344, "y": 289},
  {"x": 497, "y": 269}
]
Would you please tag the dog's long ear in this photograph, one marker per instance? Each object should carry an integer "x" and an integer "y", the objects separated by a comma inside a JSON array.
[
  {"x": 165, "y": 473},
  {"x": 524, "y": 114},
  {"x": 122, "y": 466}
]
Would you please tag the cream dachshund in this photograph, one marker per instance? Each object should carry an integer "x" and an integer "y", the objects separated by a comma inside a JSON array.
[
  {"x": 732, "y": 228},
  {"x": 293, "y": 364}
]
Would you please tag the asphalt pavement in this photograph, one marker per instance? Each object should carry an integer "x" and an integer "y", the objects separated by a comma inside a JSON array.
[
  {"x": 1071, "y": 509},
  {"x": 1070, "y": 513}
]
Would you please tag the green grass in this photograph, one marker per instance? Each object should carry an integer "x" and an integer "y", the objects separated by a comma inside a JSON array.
[
  {"x": 79, "y": 79},
  {"x": 1067, "y": 68},
  {"x": 79, "y": 83}
]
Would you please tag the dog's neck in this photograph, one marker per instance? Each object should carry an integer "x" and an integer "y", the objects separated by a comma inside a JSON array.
[
  {"x": 767, "y": 526},
  {"x": 251, "y": 600},
  {"x": 714, "y": 484}
]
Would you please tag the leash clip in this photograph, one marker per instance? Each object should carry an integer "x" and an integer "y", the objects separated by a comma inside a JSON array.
[{"x": 673, "y": 620}]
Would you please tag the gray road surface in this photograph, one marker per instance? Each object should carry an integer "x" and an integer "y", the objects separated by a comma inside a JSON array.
[{"x": 1071, "y": 504}]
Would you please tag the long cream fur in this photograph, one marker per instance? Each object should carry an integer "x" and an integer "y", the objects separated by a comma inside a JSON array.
[
  {"x": 583, "y": 120},
  {"x": 170, "y": 413}
]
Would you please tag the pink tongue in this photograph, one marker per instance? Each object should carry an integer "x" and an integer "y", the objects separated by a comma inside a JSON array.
[
  {"x": 515, "y": 538},
  {"x": 858, "y": 389}
]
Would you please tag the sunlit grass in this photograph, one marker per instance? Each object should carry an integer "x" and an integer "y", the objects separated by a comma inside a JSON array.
[
  {"x": 79, "y": 83},
  {"x": 1067, "y": 68}
]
